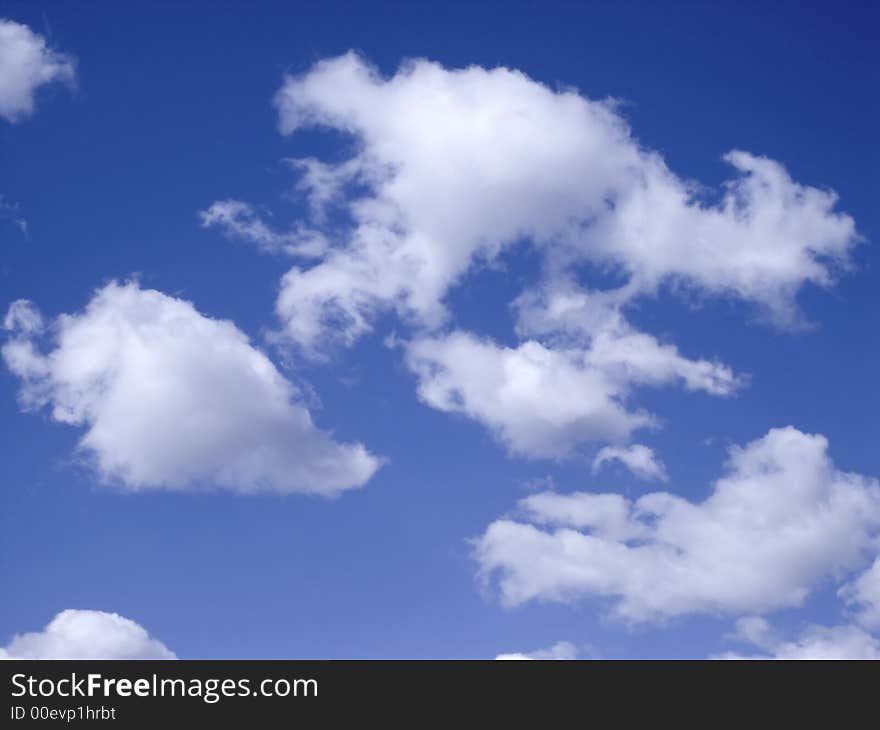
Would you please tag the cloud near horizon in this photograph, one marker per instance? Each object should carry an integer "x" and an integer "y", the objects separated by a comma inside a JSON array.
[
  {"x": 815, "y": 642},
  {"x": 83, "y": 634},
  {"x": 561, "y": 650},
  {"x": 780, "y": 521}
]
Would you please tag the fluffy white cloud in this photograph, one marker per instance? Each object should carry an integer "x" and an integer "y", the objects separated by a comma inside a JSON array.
[
  {"x": 171, "y": 398},
  {"x": 75, "y": 634},
  {"x": 566, "y": 316},
  {"x": 863, "y": 596},
  {"x": 236, "y": 219},
  {"x": 459, "y": 164},
  {"x": 543, "y": 402},
  {"x": 23, "y": 318},
  {"x": 26, "y": 64},
  {"x": 639, "y": 459},
  {"x": 435, "y": 147},
  {"x": 781, "y": 520},
  {"x": 560, "y": 650},
  {"x": 451, "y": 167},
  {"x": 537, "y": 401},
  {"x": 766, "y": 238},
  {"x": 816, "y": 642}
]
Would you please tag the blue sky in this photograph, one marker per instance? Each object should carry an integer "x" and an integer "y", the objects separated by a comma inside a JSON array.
[{"x": 170, "y": 110}]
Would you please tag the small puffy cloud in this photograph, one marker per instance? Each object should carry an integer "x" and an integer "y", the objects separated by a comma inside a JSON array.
[
  {"x": 560, "y": 650},
  {"x": 755, "y": 630},
  {"x": 862, "y": 595},
  {"x": 23, "y": 318},
  {"x": 237, "y": 219},
  {"x": 453, "y": 166},
  {"x": 26, "y": 64},
  {"x": 77, "y": 634},
  {"x": 639, "y": 459},
  {"x": 541, "y": 401},
  {"x": 816, "y": 642},
  {"x": 173, "y": 399},
  {"x": 781, "y": 520},
  {"x": 537, "y": 401}
]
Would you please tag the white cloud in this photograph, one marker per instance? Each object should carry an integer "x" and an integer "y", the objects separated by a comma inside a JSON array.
[
  {"x": 639, "y": 459},
  {"x": 458, "y": 164},
  {"x": 537, "y": 401},
  {"x": 451, "y": 167},
  {"x": 23, "y": 318},
  {"x": 816, "y": 642},
  {"x": 560, "y": 650},
  {"x": 607, "y": 515},
  {"x": 755, "y": 630},
  {"x": 171, "y": 398},
  {"x": 26, "y": 64},
  {"x": 76, "y": 634},
  {"x": 766, "y": 238},
  {"x": 543, "y": 402},
  {"x": 863, "y": 596},
  {"x": 236, "y": 219},
  {"x": 566, "y": 316},
  {"x": 778, "y": 523}
]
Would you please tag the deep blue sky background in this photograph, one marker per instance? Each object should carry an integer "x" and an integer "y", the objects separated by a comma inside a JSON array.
[{"x": 173, "y": 112}]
